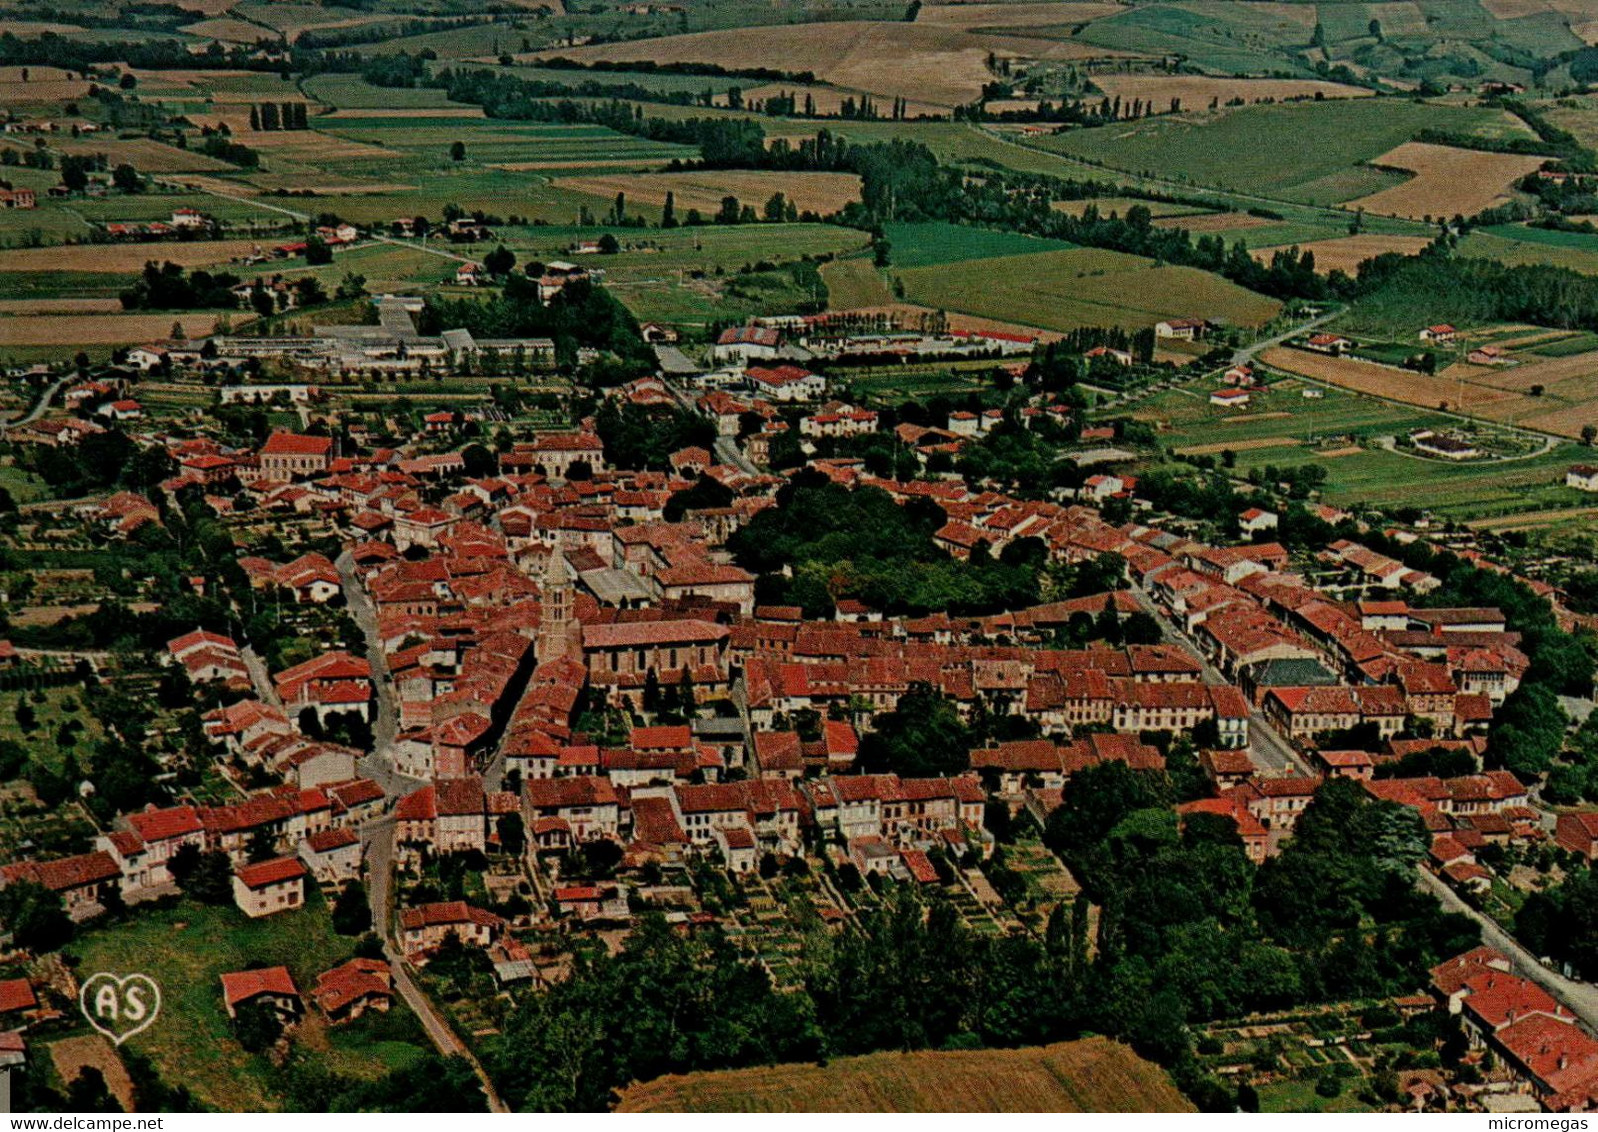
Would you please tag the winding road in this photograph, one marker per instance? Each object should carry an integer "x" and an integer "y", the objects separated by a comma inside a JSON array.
[{"x": 44, "y": 400}]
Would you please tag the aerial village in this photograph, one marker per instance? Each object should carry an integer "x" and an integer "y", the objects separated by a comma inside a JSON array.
[{"x": 533, "y": 695}]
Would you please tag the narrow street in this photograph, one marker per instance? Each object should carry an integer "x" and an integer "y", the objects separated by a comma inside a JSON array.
[
  {"x": 379, "y": 765},
  {"x": 378, "y": 837},
  {"x": 1270, "y": 752},
  {"x": 1581, "y": 998}
]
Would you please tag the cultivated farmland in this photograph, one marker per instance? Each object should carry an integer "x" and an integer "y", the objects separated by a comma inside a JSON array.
[
  {"x": 821, "y": 193},
  {"x": 1013, "y": 15},
  {"x": 1198, "y": 92},
  {"x": 1386, "y": 381},
  {"x": 125, "y": 258},
  {"x": 944, "y": 66},
  {"x": 72, "y": 331},
  {"x": 1447, "y": 181},
  {"x": 1348, "y": 252},
  {"x": 1260, "y": 149},
  {"x": 1085, "y": 287},
  {"x": 1095, "y": 1075}
]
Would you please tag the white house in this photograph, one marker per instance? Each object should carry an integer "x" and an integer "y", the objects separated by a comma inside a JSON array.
[{"x": 1582, "y": 477}]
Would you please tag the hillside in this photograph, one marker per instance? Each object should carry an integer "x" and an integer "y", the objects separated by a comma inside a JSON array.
[{"x": 1094, "y": 1075}]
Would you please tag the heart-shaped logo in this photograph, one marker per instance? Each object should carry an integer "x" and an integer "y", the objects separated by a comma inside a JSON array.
[{"x": 119, "y": 1006}]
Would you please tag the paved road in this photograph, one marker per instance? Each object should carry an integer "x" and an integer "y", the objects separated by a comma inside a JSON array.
[
  {"x": 1246, "y": 354},
  {"x": 44, "y": 400},
  {"x": 265, "y": 690},
  {"x": 379, "y": 765},
  {"x": 378, "y": 836},
  {"x": 1581, "y": 998},
  {"x": 1272, "y": 753}
]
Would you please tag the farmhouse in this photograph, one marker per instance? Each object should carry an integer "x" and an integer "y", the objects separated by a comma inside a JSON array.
[
  {"x": 1120, "y": 357},
  {"x": 17, "y": 198},
  {"x": 1577, "y": 832},
  {"x": 424, "y": 928},
  {"x": 1182, "y": 329},
  {"x": 352, "y": 988},
  {"x": 147, "y": 358},
  {"x": 1441, "y": 334},
  {"x": 1333, "y": 344},
  {"x": 1256, "y": 519},
  {"x": 1230, "y": 398},
  {"x": 1582, "y": 477},
  {"x": 1443, "y": 444}
]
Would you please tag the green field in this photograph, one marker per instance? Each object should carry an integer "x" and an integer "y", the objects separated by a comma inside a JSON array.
[
  {"x": 351, "y": 92},
  {"x": 490, "y": 141},
  {"x": 696, "y": 275},
  {"x": 1283, "y": 428},
  {"x": 186, "y": 948},
  {"x": 1265, "y": 149},
  {"x": 1519, "y": 252},
  {"x": 1084, "y": 287},
  {"x": 932, "y": 244}
]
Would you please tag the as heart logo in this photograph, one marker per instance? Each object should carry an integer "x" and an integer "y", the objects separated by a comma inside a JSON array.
[{"x": 119, "y": 1006}]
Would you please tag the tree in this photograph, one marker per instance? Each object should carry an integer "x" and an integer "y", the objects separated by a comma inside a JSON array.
[
  {"x": 608, "y": 244},
  {"x": 512, "y": 834},
  {"x": 257, "y": 1026},
  {"x": 922, "y": 736},
  {"x": 499, "y": 261},
  {"x": 317, "y": 253},
  {"x": 457, "y": 151},
  {"x": 479, "y": 462},
  {"x": 88, "y": 1093},
  {"x": 352, "y": 913},
  {"x": 207, "y": 876},
  {"x": 126, "y": 178},
  {"x": 668, "y": 211},
  {"x": 269, "y": 118},
  {"x": 36, "y": 917},
  {"x": 1589, "y": 433}
]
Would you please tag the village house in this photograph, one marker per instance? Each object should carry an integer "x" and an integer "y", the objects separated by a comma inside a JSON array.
[
  {"x": 332, "y": 855},
  {"x": 1582, "y": 477},
  {"x": 785, "y": 383},
  {"x": 270, "y": 987},
  {"x": 1182, "y": 329},
  {"x": 352, "y": 988},
  {"x": 83, "y": 881},
  {"x": 269, "y": 887},
  {"x": 424, "y": 928}
]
